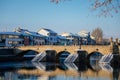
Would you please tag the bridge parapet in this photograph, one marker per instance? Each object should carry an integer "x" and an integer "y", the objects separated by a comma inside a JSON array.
[{"x": 105, "y": 49}]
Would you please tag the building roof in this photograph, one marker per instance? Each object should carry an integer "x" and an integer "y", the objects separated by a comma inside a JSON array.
[
  {"x": 83, "y": 33},
  {"x": 61, "y": 37},
  {"x": 67, "y": 34},
  {"x": 22, "y": 31},
  {"x": 92, "y": 37},
  {"x": 27, "y": 32},
  {"x": 48, "y": 30},
  {"x": 35, "y": 34},
  {"x": 10, "y": 33}
]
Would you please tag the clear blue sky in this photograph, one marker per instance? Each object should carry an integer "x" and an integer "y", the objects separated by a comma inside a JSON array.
[{"x": 69, "y": 16}]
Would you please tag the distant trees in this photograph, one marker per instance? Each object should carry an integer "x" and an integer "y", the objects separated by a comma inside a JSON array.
[{"x": 98, "y": 35}]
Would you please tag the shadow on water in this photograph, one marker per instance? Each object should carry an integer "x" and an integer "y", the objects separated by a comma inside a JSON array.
[
  {"x": 12, "y": 66},
  {"x": 16, "y": 55},
  {"x": 116, "y": 71}
]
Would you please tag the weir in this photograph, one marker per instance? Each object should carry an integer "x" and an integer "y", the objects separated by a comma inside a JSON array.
[
  {"x": 39, "y": 57},
  {"x": 106, "y": 58},
  {"x": 71, "y": 58}
]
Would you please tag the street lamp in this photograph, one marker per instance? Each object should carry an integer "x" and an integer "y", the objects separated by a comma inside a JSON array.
[{"x": 80, "y": 43}]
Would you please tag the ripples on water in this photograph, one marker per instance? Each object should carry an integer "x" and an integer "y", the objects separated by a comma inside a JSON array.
[{"x": 51, "y": 71}]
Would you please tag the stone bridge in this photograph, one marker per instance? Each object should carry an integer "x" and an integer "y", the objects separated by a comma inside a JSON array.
[
  {"x": 61, "y": 53},
  {"x": 104, "y": 49}
]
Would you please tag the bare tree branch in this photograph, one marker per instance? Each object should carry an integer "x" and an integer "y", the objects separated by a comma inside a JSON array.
[
  {"x": 104, "y": 7},
  {"x": 98, "y": 34}
]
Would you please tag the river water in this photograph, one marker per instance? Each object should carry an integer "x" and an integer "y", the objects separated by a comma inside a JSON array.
[{"x": 64, "y": 71}]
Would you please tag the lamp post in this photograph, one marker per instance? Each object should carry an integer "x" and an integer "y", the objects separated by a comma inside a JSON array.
[{"x": 80, "y": 43}]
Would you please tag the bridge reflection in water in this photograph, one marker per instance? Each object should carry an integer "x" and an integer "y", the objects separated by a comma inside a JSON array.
[{"x": 62, "y": 71}]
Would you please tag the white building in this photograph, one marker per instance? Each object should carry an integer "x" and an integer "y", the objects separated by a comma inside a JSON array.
[
  {"x": 51, "y": 36},
  {"x": 86, "y": 37},
  {"x": 71, "y": 38},
  {"x": 83, "y": 33}
]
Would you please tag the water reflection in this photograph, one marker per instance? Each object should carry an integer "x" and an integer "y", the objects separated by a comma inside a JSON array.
[
  {"x": 94, "y": 65},
  {"x": 44, "y": 66},
  {"x": 116, "y": 71},
  {"x": 63, "y": 71}
]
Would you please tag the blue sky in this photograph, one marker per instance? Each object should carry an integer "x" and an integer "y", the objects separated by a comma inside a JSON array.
[{"x": 69, "y": 16}]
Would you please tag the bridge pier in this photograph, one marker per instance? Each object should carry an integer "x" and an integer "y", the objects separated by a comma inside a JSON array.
[{"x": 115, "y": 52}]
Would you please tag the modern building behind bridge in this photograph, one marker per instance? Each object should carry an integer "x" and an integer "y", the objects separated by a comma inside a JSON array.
[
  {"x": 10, "y": 39},
  {"x": 23, "y": 37},
  {"x": 86, "y": 38},
  {"x": 20, "y": 37},
  {"x": 81, "y": 38},
  {"x": 51, "y": 36}
]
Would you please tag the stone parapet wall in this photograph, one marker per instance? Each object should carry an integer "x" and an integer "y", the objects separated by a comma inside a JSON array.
[{"x": 89, "y": 48}]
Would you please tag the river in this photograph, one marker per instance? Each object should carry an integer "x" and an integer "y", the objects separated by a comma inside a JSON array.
[{"x": 53, "y": 71}]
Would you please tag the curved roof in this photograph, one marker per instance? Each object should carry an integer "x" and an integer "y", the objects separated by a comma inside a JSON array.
[
  {"x": 83, "y": 33},
  {"x": 67, "y": 34},
  {"x": 48, "y": 30},
  {"x": 27, "y": 32},
  {"x": 61, "y": 37},
  {"x": 10, "y": 33}
]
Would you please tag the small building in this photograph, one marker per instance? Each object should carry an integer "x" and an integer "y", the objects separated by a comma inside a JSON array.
[
  {"x": 10, "y": 39},
  {"x": 36, "y": 38},
  {"x": 86, "y": 38},
  {"x": 72, "y": 39},
  {"x": 51, "y": 36},
  {"x": 61, "y": 40}
]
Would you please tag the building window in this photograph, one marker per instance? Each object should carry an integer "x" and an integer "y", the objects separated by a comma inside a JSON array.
[
  {"x": 3, "y": 36},
  {"x": 51, "y": 39}
]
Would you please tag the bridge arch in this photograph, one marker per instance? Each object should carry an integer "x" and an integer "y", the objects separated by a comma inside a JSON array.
[
  {"x": 94, "y": 68},
  {"x": 61, "y": 56},
  {"x": 93, "y": 59},
  {"x": 95, "y": 54}
]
